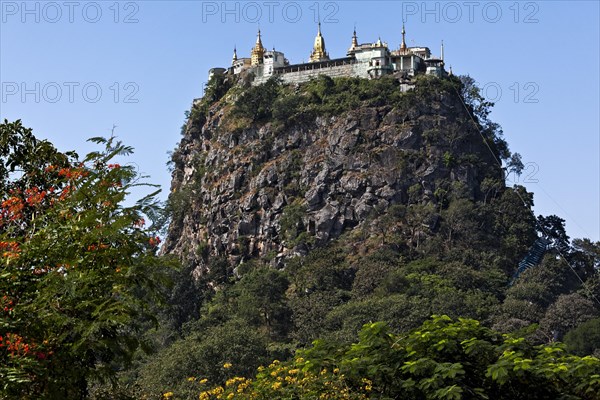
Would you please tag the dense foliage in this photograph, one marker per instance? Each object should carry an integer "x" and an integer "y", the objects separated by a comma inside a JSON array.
[
  {"x": 78, "y": 270},
  {"x": 442, "y": 359}
]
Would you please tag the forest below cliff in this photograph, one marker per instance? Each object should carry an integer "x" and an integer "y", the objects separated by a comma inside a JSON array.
[{"x": 342, "y": 238}]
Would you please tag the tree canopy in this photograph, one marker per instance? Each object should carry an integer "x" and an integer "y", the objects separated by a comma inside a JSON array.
[{"x": 79, "y": 267}]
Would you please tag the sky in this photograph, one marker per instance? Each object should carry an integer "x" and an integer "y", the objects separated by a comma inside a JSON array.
[{"x": 72, "y": 70}]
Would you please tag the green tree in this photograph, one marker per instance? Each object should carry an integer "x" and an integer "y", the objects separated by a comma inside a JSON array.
[
  {"x": 79, "y": 269},
  {"x": 585, "y": 255},
  {"x": 515, "y": 165},
  {"x": 566, "y": 313},
  {"x": 553, "y": 228},
  {"x": 202, "y": 355},
  {"x": 260, "y": 297},
  {"x": 459, "y": 222},
  {"x": 256, "y": 102},
  {"x": 513, "y": 223},
  {"x": 480, "y": 109},
  {"x": 585, "y": 339}
]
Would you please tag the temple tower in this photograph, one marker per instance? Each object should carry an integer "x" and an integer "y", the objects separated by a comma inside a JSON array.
[
  {"x": 319, "y": 53},
  {"x": 258, "y": 51}
]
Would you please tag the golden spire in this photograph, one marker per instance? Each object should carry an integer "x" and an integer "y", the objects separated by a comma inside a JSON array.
[
  {"x": 258, "y": 39},
  {"x": 319, "y": 53},
  {"x": 234, "y": 58},
  {"x": 258, "y": 51},
  {"x": 403, "y": 45}
]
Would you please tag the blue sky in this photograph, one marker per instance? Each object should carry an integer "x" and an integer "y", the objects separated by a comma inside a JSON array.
[{"x": 70, "y": 70}]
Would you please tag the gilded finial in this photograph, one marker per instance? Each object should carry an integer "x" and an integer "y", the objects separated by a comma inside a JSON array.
[
  {"x": 319, "y": 53},
  {"x": 258, "y": 51},
  {"x": 258, "y": 39}
]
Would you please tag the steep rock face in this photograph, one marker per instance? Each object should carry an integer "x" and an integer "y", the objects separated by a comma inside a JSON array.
[{"x": 275, "y": 191}]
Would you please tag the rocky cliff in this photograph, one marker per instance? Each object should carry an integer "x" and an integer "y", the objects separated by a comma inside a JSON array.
[{"x": 246, "y": 187}]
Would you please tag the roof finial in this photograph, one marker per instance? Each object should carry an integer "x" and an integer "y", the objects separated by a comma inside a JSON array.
[
  {"x": 442, "y": 55},
  {"x": 235, "y": 57},
  {"x": 403, "y": 44},
  {"x": 319, "y": 23},
  {"x": 354, "y": 44}
]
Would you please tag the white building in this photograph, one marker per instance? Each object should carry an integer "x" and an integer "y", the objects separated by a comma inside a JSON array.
[{"x": 367, "y": 60}]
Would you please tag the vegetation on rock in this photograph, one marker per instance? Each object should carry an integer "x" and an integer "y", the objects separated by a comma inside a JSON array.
[
  {"x": 322, "y": 225},
  {"x": 445, "y": 239}
]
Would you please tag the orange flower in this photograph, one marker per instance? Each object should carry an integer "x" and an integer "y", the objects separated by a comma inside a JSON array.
[
  {"x": 15, "y": 344},
  {"x": 12, "y": 209},
  {"x": 72, "y": 173},
  {"x": 34, "y": 196},
  {"x": 9, "y": 249}
]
